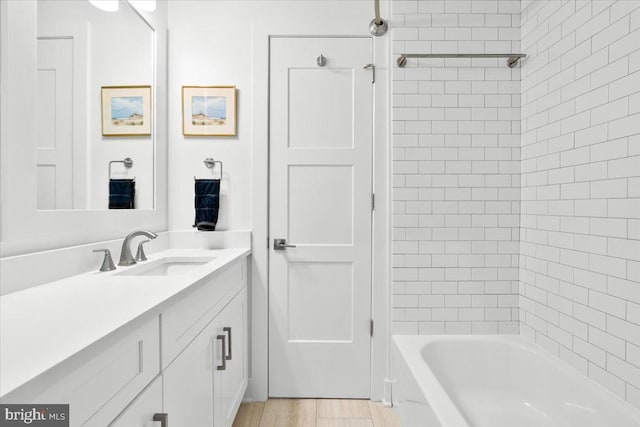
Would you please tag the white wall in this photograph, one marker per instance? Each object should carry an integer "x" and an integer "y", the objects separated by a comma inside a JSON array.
[
  {"x": 227, "y": 43},
  {"x": 211, "y": 53},
  {"x": 580, "y": 249},
  {"x": 456, "y": 127}
]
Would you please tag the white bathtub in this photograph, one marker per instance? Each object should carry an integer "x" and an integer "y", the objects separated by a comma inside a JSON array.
[{"x": 496, "y": 381}]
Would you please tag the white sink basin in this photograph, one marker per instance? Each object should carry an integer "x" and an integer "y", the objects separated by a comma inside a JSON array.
[{"x": 170, "y": 266}]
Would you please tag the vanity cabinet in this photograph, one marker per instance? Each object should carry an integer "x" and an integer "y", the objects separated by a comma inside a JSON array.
[
  {"x": 186, "y": 358},
  {"x": 102, "y": 380},
  {"x": 204, "y": 385}
]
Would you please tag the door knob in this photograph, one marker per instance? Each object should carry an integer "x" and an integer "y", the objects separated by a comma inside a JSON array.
[
  {"x": 163, "y": 418},
  {"x": 281, "y": 245}
]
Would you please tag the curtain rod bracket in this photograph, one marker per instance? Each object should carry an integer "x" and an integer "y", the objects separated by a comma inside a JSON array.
[
  {"x": 378, "y": 28},
  {"x": 513, "y": 61}
]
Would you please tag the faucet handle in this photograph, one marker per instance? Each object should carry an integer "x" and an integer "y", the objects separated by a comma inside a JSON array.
[
  {"x": 140, "y": 255},
  {"x": 107, "y": 262}
]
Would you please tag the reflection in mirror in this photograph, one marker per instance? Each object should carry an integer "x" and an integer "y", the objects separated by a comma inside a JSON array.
[{"x": 82, "y": 48}]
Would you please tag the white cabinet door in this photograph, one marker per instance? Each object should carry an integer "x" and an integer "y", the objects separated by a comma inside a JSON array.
[
  {"x": 205, "y": 384},
  {"x": 230, "y": 380},
  {"x": 188, "y": 383},
  {"x": 141, "y": 412}
]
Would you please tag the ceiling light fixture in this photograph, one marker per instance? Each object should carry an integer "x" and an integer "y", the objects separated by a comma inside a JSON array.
[
  {"x": 106, "y": 5},
  {"x": 145, "y": 5}
]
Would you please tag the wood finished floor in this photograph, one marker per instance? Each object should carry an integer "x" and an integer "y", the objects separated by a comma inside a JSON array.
[{"x": 315, "y": 413}]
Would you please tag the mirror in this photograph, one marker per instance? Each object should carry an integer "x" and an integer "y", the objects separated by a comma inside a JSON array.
[{"x": 94, "y": 115}]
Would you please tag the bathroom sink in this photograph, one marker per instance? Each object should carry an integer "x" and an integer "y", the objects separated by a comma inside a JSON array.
[{"x": 170, "y": 266}]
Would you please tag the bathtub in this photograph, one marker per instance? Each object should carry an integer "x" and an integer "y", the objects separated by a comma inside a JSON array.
[{"x": 496, "y": 381}]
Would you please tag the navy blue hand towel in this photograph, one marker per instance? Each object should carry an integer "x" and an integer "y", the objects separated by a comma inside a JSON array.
[
  {"x": 122, "y": 194},
  {"x": 207, "y": 203}
]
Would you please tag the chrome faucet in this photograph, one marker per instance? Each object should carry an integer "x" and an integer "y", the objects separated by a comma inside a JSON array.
[{"x": 125, "y": 254}]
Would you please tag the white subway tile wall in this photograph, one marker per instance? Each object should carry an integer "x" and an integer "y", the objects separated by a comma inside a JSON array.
[
  {"x": 580, "y": 213},
  {"x": 456, "y": 168}
]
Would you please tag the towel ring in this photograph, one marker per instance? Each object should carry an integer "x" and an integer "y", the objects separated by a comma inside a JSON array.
[
  {"x": 127, "y": 162},
  {"x": 211, "y": 163}
]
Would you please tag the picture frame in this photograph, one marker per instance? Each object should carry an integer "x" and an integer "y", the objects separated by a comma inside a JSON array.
[
  {"x": 126, "y": 110},
  {"x": 209, "y": 111}
]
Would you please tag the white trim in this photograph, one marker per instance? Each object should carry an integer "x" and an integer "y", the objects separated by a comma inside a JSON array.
[{"x": 381, "y": 297}]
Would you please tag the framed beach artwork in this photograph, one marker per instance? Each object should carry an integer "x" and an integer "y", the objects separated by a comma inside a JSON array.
[
  {"x": 209, "y": 110},
  {"x": 126, "y": 110}
]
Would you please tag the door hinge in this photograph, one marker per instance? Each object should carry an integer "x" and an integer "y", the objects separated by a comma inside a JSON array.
[
  {"x": 372, "y": 68},
  {"x": 373, "y": 201},
  {"x": 371, "y": 328}
]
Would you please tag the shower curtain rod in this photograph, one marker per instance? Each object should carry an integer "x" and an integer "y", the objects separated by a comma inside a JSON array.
[
  {"x": 376, "y": 5},
  {"x": 512, "y": 60}
]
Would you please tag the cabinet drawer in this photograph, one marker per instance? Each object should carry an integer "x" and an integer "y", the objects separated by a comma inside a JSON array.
[
  {"x": 183, "y": 320},
  {"x": 141, "y": 411},
  {"x": 99, "y": 382}
]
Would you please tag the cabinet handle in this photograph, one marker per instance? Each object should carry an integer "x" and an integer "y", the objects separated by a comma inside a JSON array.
[
  {"x": 222, "y": 338},
  {"x": 228, "y": 329},
  {"x": 163, "y": 418}
]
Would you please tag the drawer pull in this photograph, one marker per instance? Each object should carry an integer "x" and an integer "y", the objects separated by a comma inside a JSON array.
[
  {"x": 223, "y": 366},
  {"x": 163, "y": 418},
  {"x": 228, "y": 329}
]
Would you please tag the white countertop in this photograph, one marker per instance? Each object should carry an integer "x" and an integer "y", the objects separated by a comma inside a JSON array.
[{"x": 42, "y": 326}]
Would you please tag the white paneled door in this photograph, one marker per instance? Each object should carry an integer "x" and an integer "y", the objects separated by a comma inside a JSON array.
[
  {"x": 54, "y": 121},
  {"x": 320, "y": 201}
]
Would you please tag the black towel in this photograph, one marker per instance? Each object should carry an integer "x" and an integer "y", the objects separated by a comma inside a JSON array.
[
  {"x": 207, "y": 203},
  {"x": 122, "y": 194}
]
